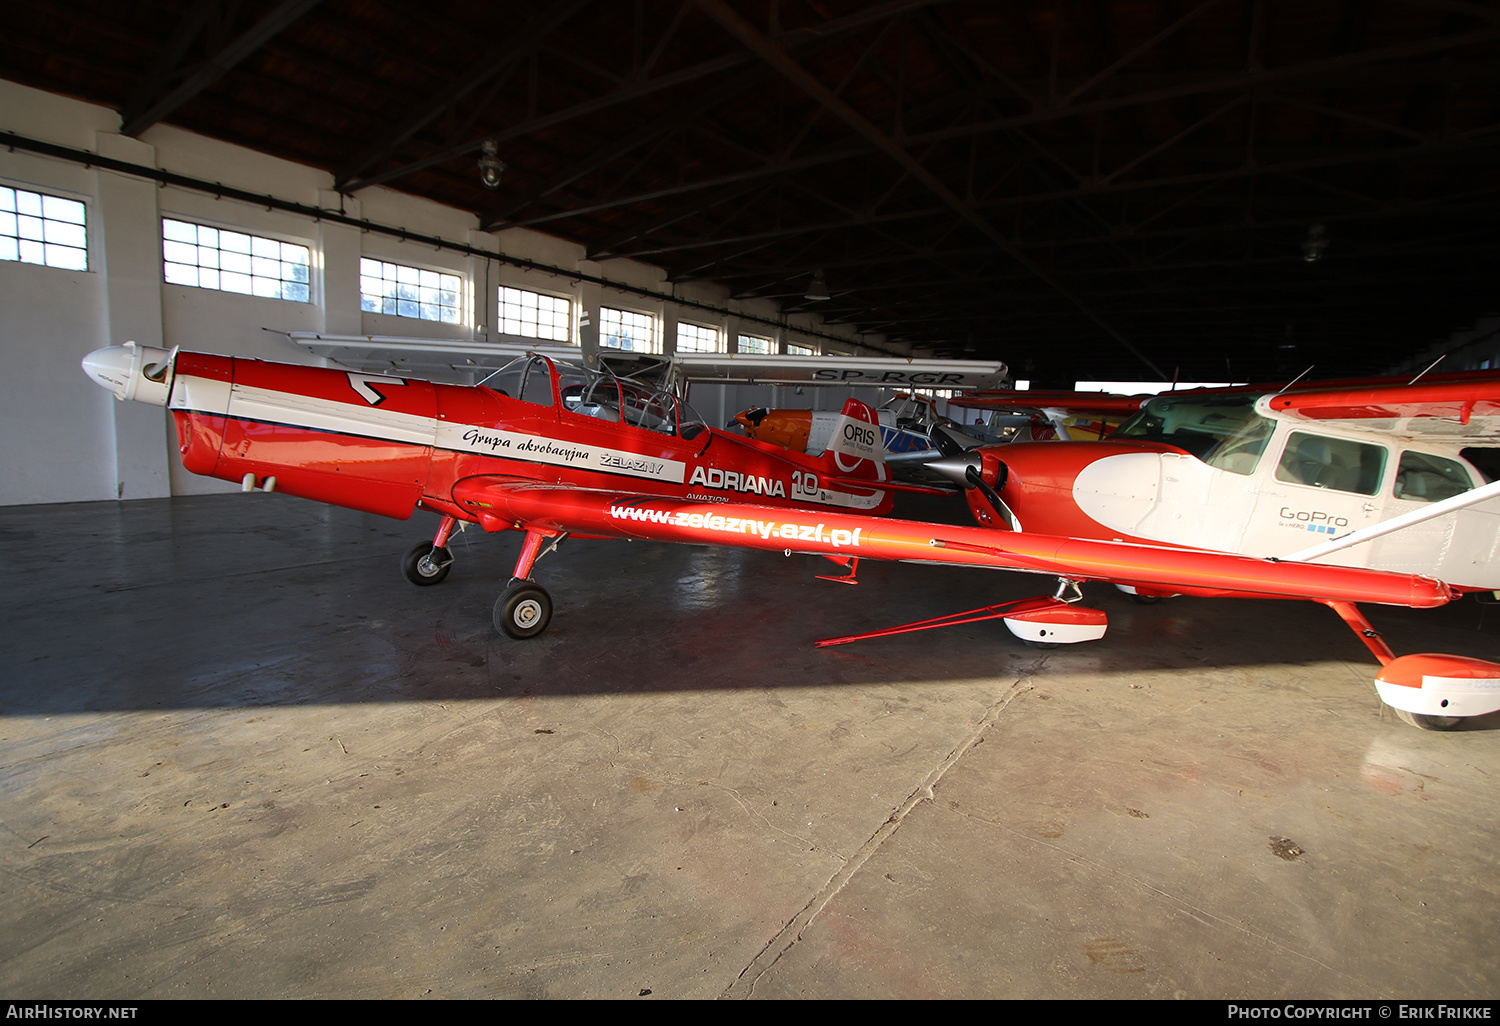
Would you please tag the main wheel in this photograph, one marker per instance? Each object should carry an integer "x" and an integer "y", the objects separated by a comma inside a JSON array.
[
  {"x": 1427, "y": 722},
  {"x": 426, "y": 563},
  {"x": 523, "y": 610}
]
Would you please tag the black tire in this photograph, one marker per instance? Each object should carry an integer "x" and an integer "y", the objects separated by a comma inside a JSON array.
[
  {"x": 426, "y": 564},
  {"x": 523, "y": 610},
  {"x": 1424, "y": 721},
  {"x": 1145, "y": 600}
]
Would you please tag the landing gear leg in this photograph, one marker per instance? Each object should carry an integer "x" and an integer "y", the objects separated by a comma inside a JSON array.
[
  {"x": 524, "y": 608},
  {"x": 1409, "y": 679}
]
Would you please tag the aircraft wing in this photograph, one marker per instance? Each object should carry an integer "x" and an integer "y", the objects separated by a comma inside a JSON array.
[
  {"x": 1028, "y": 401},
  {"x": 1468, "y": 408},
  {"x": 887, "y": 372},
  {"x": 1072, "y": 415},
  {"x": 503, "y": 503}
]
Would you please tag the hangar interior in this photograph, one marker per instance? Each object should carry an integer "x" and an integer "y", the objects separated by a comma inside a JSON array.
[{"x": 244, "y": 758}]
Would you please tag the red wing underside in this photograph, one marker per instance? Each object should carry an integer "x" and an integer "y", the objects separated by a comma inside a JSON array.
[{"x": 1459, "y": 408}]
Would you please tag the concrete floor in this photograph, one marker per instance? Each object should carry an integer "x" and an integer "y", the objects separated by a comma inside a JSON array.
[{"x": 241, "y": 757}]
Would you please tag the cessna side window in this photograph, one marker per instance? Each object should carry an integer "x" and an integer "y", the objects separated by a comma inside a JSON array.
[
  {"x": 695, "y": 338},
  {"x": 1337, "y": 463},
  {"x": 39, "y": 229},
  {"x": 533, "y": 315},
  {"x": 626, "y": 329},
  {"x": 252, "y": 265},
  {"x": 1421, "y": 477},
  {"x": 409, "y": 291}
]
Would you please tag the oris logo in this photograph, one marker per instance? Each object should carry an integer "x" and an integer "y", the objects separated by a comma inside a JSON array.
[{"x": 859, "y": 434}]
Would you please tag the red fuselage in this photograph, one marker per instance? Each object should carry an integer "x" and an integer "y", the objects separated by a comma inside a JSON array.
[{"x": 390, "y": 445}]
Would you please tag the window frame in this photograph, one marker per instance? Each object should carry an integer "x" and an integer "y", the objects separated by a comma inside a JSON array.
[
  {"x": 500, "y": 318},
  {"x": 741, "y": 338},
  {"x": 460, "y": 303},
  {"x": 47, "y": 245},
  {"x": 718, "y": 345},
  {"x": 653, "y": 328},
  {"x": 254, "y": 260}
]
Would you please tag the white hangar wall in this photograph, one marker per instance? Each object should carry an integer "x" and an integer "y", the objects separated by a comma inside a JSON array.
[{"x": 66, "y": 440}]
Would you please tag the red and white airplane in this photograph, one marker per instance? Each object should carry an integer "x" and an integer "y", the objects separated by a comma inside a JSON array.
[
  {"x": 1370, "y": 473},
  {"x": 523, "y": 451}
]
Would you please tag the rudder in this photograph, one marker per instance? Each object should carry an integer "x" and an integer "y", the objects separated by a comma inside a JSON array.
[{"x": 856, "y": 449}]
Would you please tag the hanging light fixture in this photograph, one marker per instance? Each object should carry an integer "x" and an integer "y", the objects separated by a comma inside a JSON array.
[
  {"x": 1315, "y": 243},
  {"x": 817, "y": 289},
  {"x": 490, "y": 164}
]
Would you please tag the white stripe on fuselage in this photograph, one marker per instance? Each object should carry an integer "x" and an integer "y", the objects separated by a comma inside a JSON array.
[{"x": 276, "y": 407}]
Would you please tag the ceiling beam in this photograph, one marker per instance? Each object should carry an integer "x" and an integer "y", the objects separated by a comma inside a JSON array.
[
  {"x": 495, "y": 61},
  {"x": 794, "y": 72},
  {"x": 217, "y": 65}
]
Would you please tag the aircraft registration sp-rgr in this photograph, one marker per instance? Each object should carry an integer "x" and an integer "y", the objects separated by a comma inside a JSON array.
[{"x": 1162, "y": 512}]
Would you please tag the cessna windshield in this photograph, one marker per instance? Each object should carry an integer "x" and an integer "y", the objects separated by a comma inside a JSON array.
[{"x": 1223, "y": 431}]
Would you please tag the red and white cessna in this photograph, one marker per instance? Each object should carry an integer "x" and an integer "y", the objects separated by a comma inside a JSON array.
[
  {"x": 532, "y": 451},
  {"x": 1370, "y": 474}
]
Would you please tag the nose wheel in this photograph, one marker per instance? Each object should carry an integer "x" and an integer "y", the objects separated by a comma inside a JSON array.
[
  {"x": 523, "y": 610},
  {"x": 1427, "y": 722}
]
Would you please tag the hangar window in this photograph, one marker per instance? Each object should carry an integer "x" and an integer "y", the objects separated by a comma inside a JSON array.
[
  {"x": 215, "y": 258},
  {"x": 754, "y": 344},
  {"x": 792, "y": 349},
  {"x": 534, "y": 315},
  {"x": 409, "y": 291},
  {"x": 39, "y": 229},
  {"x": 695, "y": 338},
  {"x": 626, "y": 329}
]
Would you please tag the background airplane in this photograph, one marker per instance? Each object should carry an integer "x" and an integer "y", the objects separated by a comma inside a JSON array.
[
  {"x": 1040, "y": 415},
  {"x": 512, "y": 454},
  {"x": 911, "y": 429}
]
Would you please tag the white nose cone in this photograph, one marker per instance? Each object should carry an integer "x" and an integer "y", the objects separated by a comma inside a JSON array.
[
  {"x": 111, "y": 368},
  {"x": 123, "y": 370}
]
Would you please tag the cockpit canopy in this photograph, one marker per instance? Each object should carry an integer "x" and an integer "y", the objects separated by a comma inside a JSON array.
[{"x": 605, "y": 396}]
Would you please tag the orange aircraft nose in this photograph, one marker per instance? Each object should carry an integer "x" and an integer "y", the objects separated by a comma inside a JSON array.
[{"x": 786, "y": 428}]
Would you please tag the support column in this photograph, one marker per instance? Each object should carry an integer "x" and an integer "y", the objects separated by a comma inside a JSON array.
[
  {"x": 130, "y": 227},
  {"x": 339, "y": 246}
]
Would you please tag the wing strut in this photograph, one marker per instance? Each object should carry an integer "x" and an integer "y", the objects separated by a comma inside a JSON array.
[
  {"x": 1416, "y": 516},
  {"x": 1045, "y": 621}
]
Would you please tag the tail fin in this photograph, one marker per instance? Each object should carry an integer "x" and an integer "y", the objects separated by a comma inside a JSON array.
[{"x": 856, "y": 449}]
